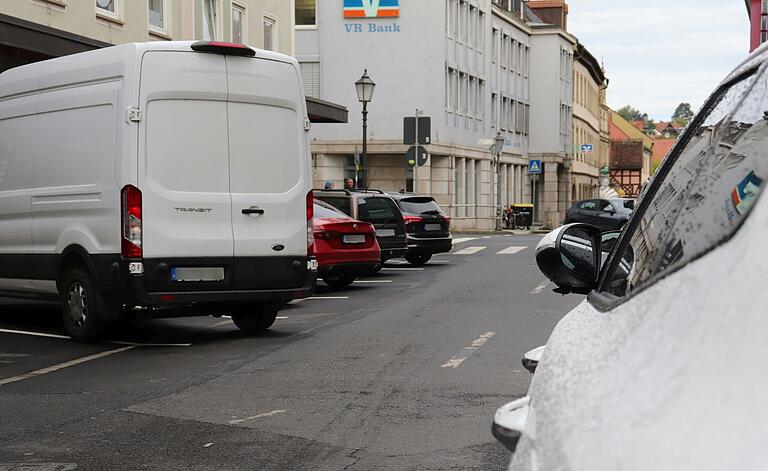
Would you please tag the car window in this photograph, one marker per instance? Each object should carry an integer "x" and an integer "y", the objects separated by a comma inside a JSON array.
[
  {"x": 707, "y": 192},
  {"x": 377, "y": 209},
  {"x": 588, "y": 205},
  {"x": 339, "y": 202},
  {"x": 420, "y": 205},
  {"x": 325, "y": 210},
  {"x": 606, "y": 206}
]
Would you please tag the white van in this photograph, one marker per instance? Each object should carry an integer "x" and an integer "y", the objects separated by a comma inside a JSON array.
[{"x": 171, "y": 178}]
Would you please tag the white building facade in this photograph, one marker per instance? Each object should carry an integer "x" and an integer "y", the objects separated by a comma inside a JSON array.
[{"x": 471, "y": 67}]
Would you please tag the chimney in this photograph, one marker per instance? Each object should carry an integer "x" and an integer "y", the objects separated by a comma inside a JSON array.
[{"x": 551, "y": 11}]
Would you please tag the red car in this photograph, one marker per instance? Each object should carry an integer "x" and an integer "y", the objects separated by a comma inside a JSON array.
[{"x": 345, "y": 248}]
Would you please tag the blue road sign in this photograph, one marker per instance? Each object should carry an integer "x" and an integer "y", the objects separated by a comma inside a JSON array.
[
  {"x": 534, "y": 167},
  {"x": 586, "y": 147}
]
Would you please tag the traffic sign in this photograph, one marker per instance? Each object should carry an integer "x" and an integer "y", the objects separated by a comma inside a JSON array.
[
  {"x": 534, "y": 167},
  {"x": 409, "y": 130},
  {"x": 416, "y": 155},
  {"x": 586, "y": 148}
]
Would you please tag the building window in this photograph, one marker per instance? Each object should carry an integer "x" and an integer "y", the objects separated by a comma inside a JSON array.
[
  {"x": 270, "y": 33},
  {"x": 108, "y": 8},
  {"x": 239, "y": 23},
  {"x": 306, "y": 12},
  {"x": 156, "y": 15},
  {"x": 210, "y": 20},
  {"x": 310, "y": 75}
]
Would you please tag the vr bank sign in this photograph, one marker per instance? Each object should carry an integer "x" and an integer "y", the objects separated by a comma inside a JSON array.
[{"x": 371, "y": 9}]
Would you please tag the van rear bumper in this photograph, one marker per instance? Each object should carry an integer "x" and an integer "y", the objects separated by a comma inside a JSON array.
[{"x": 245, "y": 279}]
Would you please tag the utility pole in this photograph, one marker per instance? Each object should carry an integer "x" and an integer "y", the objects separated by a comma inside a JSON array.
[{"x": 416, "y": 167}]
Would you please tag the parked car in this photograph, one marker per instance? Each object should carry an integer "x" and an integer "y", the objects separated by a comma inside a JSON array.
[
  {"x": 663, "y": 365},
  {"x": 607, "y": 214},
  {"x": 129, "y": 180},
  {"x": 345, "y": 248},
  {"x": 377, "y": 208},
  {"x": 427, "y": 227}
]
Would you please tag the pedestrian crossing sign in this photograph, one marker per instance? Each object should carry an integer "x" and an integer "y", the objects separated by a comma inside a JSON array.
[{"x": 534, "y": 167}]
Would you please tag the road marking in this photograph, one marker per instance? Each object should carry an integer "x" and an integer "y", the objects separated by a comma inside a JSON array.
[
  {"x": 267, "y": 414},
  {"x": 372, "y": 281},
  {"x": 463, "y": 239},
  {"x": 35, "y": 334},
  {"x": 511, "y": 250},
  {"x": 402, "y": 269},
  {"x": 219, "y": 324},
  {"x": 281, "y": 317},
  {"x": 466, "y": 352},
  {"x": 438, "y": 262},
  {"x": 541, "y": 287},
  {"x": 297, "y": 301},
  {"x": 66, "y": 364},
  {"x": 8, "y": 358},
  {"x": 486, "y": 237},
  {"x": 469, "y": 251}
]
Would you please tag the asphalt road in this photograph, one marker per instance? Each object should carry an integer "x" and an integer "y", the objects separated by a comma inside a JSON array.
[{"x": 402, "y": 371}]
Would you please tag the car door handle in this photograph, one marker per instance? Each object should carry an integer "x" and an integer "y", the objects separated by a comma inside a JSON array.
[{"x": 253, "y": 211}]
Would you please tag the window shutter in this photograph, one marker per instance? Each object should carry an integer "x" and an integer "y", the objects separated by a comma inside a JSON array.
[{"x": 310, "y": 74}]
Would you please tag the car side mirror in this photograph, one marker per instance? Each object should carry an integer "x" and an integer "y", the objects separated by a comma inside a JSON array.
[{"x": 570, "y": 257}]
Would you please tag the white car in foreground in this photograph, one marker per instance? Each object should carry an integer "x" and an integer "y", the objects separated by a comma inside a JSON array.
[{"x": 665, "y": 364}]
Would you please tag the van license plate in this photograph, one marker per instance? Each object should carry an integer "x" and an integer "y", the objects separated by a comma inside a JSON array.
[
  {"x": 385, "y": 232},
  {"x": 354, "y": 239},
  {"x": 190, "y": 274},
  {"x": 432, "y": 227}
]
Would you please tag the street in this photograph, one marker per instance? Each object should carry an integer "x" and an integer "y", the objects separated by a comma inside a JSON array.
[{"x": 403, "y": 370}]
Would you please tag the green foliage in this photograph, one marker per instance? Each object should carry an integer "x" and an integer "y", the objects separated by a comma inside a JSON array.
[
  {"x": 630, "y": 113},
  {"x": 683, "y": 113}
]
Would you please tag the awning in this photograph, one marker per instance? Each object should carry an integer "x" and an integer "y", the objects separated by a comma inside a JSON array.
[{"x": 321, "y": 111}]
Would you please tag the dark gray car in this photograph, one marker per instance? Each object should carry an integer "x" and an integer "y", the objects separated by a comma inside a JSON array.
[{"x": 607, "y": 214}]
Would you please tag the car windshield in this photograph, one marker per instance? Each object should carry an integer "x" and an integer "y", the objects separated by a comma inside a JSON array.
[
  {"x": 420, "y": 205},
  {"x": 377, "y": 209}
]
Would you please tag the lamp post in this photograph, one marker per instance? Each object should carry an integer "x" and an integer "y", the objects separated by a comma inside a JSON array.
[
  {"x": 365, "y": 87},
  {"x": 496, "y": 148}
]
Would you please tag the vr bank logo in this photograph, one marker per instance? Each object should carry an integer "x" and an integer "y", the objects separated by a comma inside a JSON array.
[{"x": 371, "y": 8}]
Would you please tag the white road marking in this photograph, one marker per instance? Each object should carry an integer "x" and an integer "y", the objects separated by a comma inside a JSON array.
[
  {"x": 281, "y": 317},
  {"x": 486, "y": 237},
  {"x": 60, "y": 366},
  {"x": 297, "y": 301},
  {"x": 267, "y": 414},
  {"x": 372, "y": 281},
  {"x": 402, "y": 269},
  {"x": 466, "y": 352},
  {"x": 541, "y": 287},
  {"x": 207, "y": 445},
  {"x": 222, "y": 323},
  {"x": 34, "y": 334},
  {"x": 438, "y": 262},
  {"x": 463, "y": 239},
  {"x": 511, "y": 250},
  {"x": 469, "y": 251}
]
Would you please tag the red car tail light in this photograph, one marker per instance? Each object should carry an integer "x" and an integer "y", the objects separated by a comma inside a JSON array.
[{"x": 130, "y": 222}]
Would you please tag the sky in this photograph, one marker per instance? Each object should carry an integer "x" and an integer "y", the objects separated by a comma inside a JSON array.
[{"x": 659, "y": 53}]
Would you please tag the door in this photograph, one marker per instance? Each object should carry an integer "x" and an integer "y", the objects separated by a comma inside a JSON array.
[
  {"x": 184, "y": 162},
  {"x": 269, "y": 158}
]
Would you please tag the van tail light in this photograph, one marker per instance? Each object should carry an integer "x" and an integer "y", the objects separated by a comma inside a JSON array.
[
  {"x": 310, "y": 231},
  {"x": 130, "y": 246}
]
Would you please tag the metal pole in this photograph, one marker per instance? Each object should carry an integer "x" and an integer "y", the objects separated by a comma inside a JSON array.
[
  {"x": 533, "y": 200},
  {"x": 365, "y": 133},
  {"x": 498, "y": 192},
  {"x": 416, "y": 165}
]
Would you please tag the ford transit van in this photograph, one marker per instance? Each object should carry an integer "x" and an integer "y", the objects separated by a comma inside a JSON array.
[{"x": 166, "y": 178}]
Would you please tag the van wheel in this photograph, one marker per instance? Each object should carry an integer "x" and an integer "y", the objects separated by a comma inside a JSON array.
[
  {"x": 82, "y": 307},
  {"x": 256, "y": 317},
  {"x": 418, "y": 260},
  {"x": 339, "y": 281}
]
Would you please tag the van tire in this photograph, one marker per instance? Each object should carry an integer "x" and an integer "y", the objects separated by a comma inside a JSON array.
[
  {"x": 82, "y": 307},
  {"x": 256, "y": 317},
  {"x": 339, "y": 281},
  {"x": 418, "y": 260}
]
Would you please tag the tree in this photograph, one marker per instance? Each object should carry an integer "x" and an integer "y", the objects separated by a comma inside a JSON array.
[
  {"x": 683, "y": 113},
  {"x": 629, "y": 113}
]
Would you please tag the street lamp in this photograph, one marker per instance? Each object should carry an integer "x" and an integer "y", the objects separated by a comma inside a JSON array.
[
  {"x": 496, "y": 148},
  {"x": 365, "y": 87}
]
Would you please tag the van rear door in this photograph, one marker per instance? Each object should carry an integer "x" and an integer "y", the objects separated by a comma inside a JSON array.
[
  {"x": 183, "y": 162},
  {"x": 268, "y": 157}
]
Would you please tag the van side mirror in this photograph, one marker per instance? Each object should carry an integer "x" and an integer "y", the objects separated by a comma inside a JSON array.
[{"x": 570, "y": 257}]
